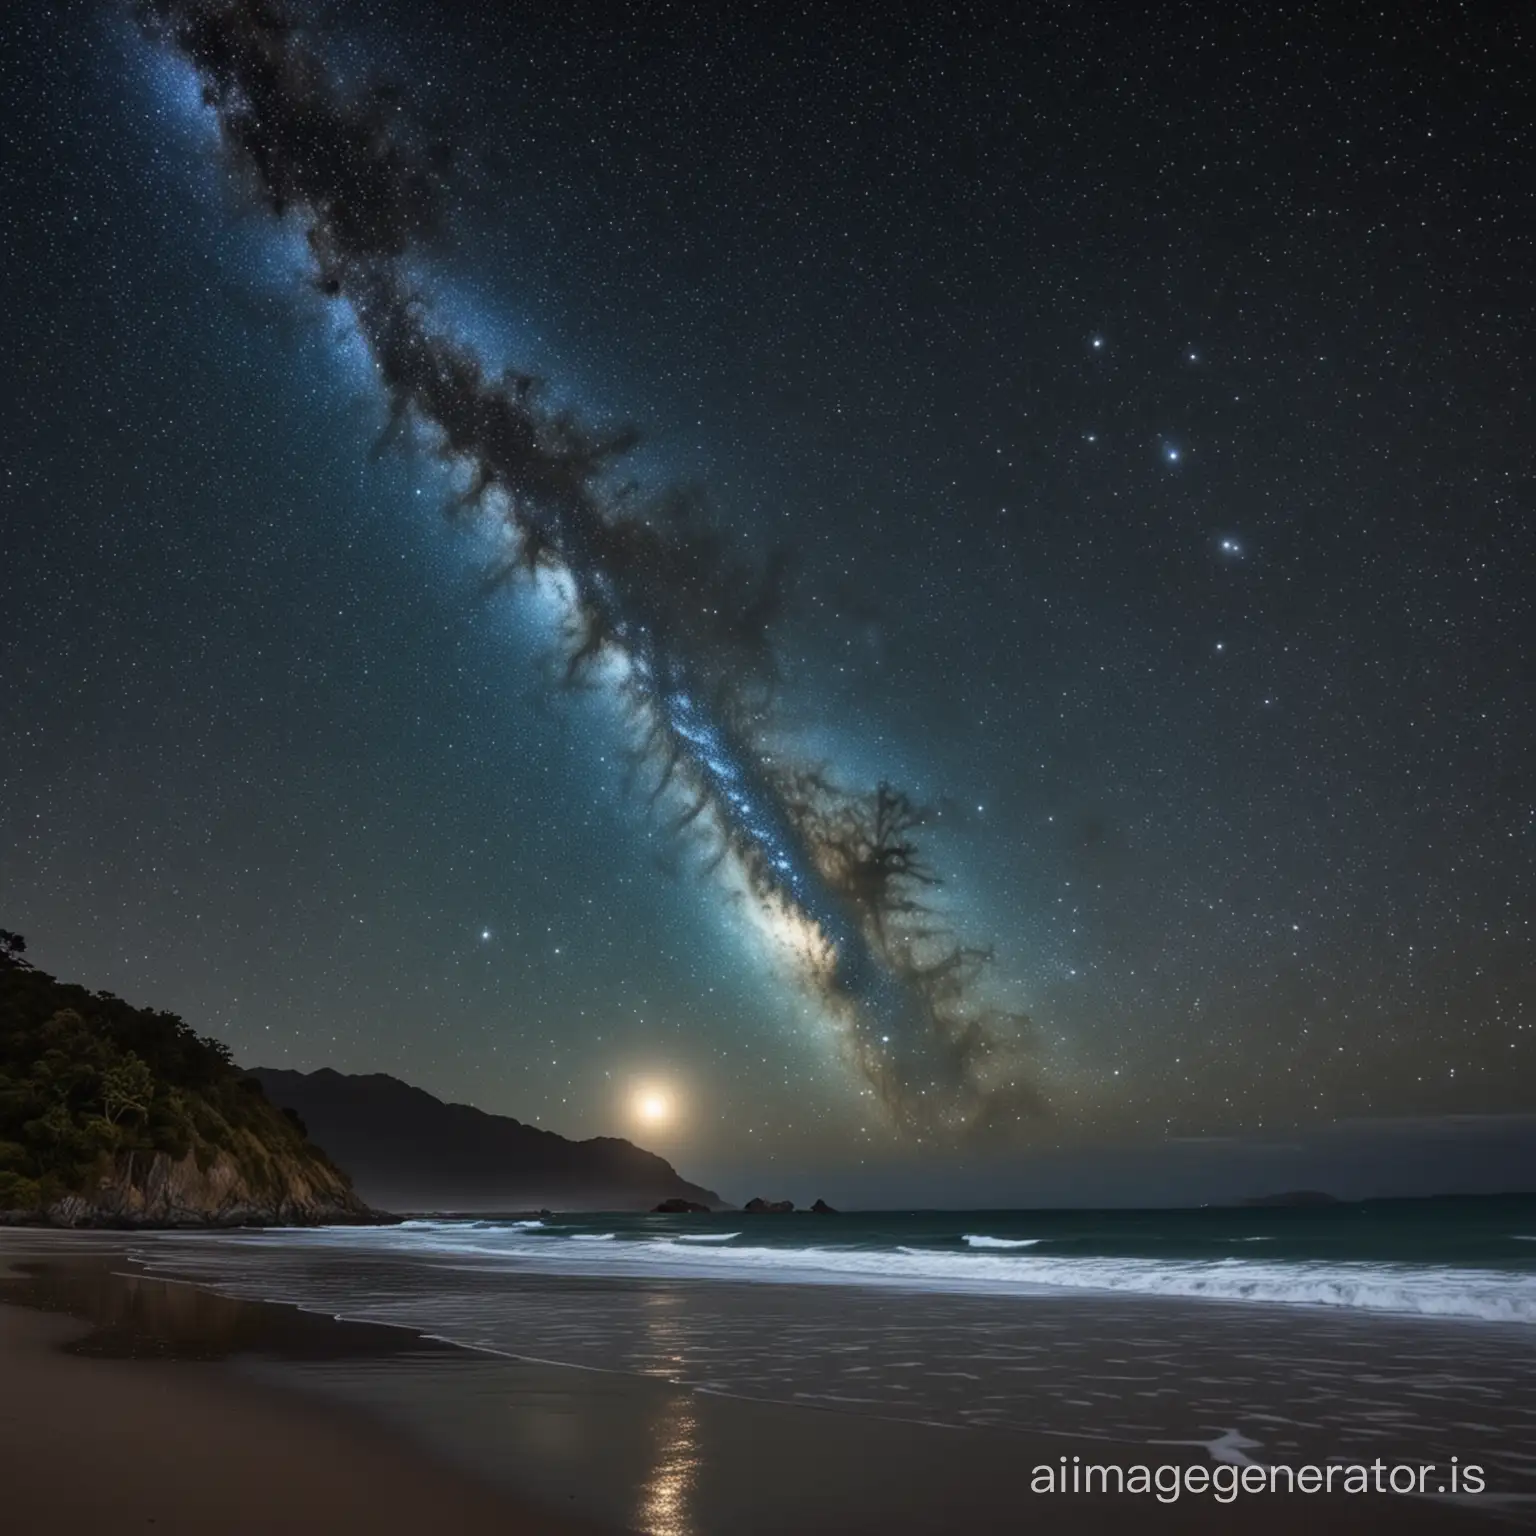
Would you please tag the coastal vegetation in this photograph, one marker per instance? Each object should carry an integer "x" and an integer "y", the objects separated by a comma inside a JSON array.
[{"x": 112, "y": 1113}]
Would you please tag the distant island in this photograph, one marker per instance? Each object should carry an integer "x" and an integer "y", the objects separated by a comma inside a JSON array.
[
  {"x": 112, "y": 1115},
  {"x": 1292, "y": 1197},
  {"x": 409, "y": 1151}
]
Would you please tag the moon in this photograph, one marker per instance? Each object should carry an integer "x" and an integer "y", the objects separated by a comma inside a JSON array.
[{"x": 653, "y": 1106}]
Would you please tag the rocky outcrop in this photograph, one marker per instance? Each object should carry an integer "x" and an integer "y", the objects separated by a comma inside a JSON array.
[
  {"x": 821, "y": 1208},
  {"x": 155, "y": 1190},
  {"x": 760, "y": 1207},
  {"x": 678, "y": 1207}
]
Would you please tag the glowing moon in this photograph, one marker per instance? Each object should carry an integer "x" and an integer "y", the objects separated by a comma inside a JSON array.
[{"x": 653, "y": 1107}]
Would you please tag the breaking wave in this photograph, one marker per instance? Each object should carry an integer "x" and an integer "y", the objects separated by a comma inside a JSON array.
[{"x": 999, "y": 1266}]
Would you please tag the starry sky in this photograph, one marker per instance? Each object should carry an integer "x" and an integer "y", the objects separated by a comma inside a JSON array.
[{"x": 1143, "y": 398}]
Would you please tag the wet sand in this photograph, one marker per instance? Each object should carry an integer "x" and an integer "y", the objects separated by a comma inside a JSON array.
[
  {"x": 88, "y": 1445},
  {"x": 151, "y": 1404}
]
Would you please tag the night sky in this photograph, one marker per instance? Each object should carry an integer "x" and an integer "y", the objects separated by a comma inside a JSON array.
[{"x": 1143, "y": 397}]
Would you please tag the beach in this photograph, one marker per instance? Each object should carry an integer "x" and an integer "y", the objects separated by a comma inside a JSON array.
[
  {"x": 151, "y": 1401},
  {"x": 89, "y": 1444}
]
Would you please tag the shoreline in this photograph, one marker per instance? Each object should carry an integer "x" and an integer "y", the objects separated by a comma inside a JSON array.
[{"x": 198, "y": 1411}]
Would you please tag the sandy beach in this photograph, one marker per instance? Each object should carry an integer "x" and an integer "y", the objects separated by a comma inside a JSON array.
[
  {"x": 89, "y": 1444},
  {"x": 148, "y": 1403}
]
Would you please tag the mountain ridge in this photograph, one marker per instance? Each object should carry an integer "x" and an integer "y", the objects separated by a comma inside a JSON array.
[{"x": 406, "y": 1149}]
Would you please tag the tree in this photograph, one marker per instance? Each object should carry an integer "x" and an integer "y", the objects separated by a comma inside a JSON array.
[
  {"x": 127, "y": 1087},
  {"x": 13, "y": 950}
]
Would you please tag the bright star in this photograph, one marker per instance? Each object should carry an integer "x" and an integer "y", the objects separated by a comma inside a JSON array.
[
  {"x": 485, "y": 933},
  {"x": 1098, "y": 341},
  {"x": 1172, "y": 455}
]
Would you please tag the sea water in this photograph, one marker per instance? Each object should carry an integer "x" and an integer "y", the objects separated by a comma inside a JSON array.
[
  {"x": 1468, "y": 1258},
  {"x": 1394, "y": 1329}
]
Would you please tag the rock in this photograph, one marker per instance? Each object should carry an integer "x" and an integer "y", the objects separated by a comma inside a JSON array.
[
  {"x": 821, "y": 1208},
  {"x": 760, "y": 1207},
  {"x": 156, "y": 1190},
  {"x": 677, "y": 1206}
]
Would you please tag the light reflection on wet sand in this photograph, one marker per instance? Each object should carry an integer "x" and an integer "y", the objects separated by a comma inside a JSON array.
[
  {"x": 665, "y": 1498},
  {"x": 665, "y": 1501}
]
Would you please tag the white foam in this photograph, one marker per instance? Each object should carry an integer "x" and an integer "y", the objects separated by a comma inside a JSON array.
[
  {"x": 434, "y": 1223},
  {"x": 974, "y": 1240},
  {"x": 1489, "y": 1294},
  {"x": 705, "y": 1237},
  {"x": 593, "y": 1237}
]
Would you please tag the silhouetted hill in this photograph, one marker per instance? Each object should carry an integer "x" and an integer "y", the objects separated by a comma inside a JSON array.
[{"x": 408, "y": 1151}]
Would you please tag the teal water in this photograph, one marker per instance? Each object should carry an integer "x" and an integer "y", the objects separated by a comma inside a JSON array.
[{"x": 1495, "y": 1232}]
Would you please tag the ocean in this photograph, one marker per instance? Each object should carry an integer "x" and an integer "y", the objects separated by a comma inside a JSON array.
[
  {"x": 1400, "y": 1329},
  {"x": 1464, "y": 1258}
]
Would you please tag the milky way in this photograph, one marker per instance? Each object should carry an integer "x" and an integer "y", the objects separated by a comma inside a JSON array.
[{"x": 659, "y": 609}]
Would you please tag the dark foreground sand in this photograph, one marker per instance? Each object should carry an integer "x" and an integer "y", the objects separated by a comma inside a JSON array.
[
  {"x": 91, "y": 1445},
  {"x": 130, "y": 1403}
]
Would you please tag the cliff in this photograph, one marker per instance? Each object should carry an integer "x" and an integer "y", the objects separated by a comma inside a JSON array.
[
  {"x": 409, "y": 1151},
  {"x": 112, "y": 1115},
  {"x": 165, "y": 1192}
]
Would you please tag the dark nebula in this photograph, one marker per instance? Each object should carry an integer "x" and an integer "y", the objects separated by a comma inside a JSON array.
[{"x": 684, "y": 627}]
